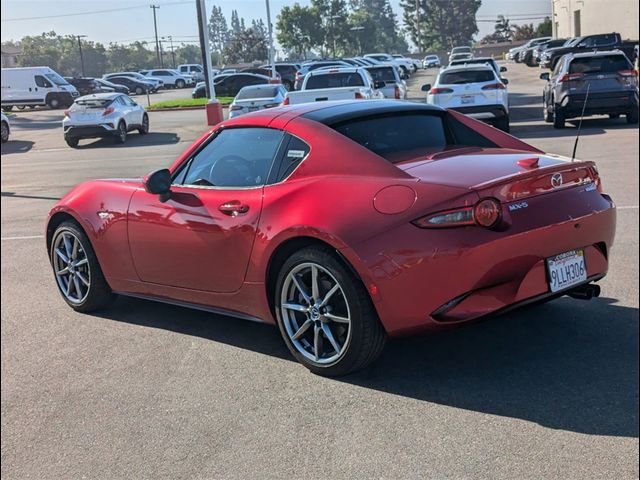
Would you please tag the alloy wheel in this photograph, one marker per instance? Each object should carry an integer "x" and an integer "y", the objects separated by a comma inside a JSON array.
[
  {"x": 315, "y": 313},
  {"x": 71, "y": 267}
]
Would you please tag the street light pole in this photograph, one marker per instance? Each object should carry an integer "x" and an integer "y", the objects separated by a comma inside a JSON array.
[
  {"x": 271, "y": 53},
  {"x": 358, "y": 30},
  {"x": 80, "y": 50},
  {"x": 418, "y": 24},
  {"x": 155, "y": 27},
  {"x": 173, "y": 53}
]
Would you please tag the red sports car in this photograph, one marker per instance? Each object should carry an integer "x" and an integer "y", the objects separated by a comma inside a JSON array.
[{"x": 342, "y": 223}]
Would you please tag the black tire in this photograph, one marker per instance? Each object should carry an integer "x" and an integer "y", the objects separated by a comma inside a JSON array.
[
  {"x": 4, "y": 129},
  {"x": 559, "y": 119},
  {"x": 99, "y": 293},
  {"x": 72, "y": 141},
  {"x": 139, "y": 90},
  {"x": 502, "y": 124},
  {"x": 632, "y": 116},
  {"x": 53, "y": 102},
  {"x": 367, "y": 336},
  {"x": 21, "y": 107},
  {"x": 8, "y": 108},
  {"x": 180, "y": 84},
  {"x": 145, "y": 125},
  {"x": 121, "y": 136},
  {"x": 548, "y": 116}
]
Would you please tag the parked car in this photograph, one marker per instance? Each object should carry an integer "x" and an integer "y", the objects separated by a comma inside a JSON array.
[
  {"x": 287, "y": 73},
  {"x": 394, "y": 86},
  {"x": 134, "y": 85},
  {"x": 333, "y": 224},
  {"x": 409, "y": 63},
  {"x": 114, "y": 86},
  {"x": 461, "y": 49},
  {"x": 194, "y": 69},
  {"x": 533, "y": 60},
  {"x": 475, "y": 90},
  {"x": 84, "y": 85},
  {"x": 340, "y": 83},
  {"x": 33, "y": 86},
  {"x": 156, "y": 83},
  {"x": 609, "y": 79},
  {"x": 588, "y": 43},
  {"x": 499, "y": 69},
  {"x": 459, "y": 56},
  {"x": 257, "y": 97},
  {"x": 386, "y": 58},
  {"x": 228, "y": 85},
  {"x": 263, "y": 71},
  {"x": 170, "y": 78},
  {"x": 305, "y": 68},
  {"x": 5, "y": 128},
  {"x": 431, "y": 61},
  {"x": 103, "y": 115}
]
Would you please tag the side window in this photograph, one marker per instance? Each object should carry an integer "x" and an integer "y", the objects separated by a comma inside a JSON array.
[
  {"x": 235, "y": 158},
  {"x": 293, "y": 153},
  {"x": 42, "y": 82},
  {"x": 556, "y": 71},
  {"x": 605, "y": 40}
]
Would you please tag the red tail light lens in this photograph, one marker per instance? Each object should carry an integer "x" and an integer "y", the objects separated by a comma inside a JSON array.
[
  {"x": 437, "y": 91},
  {"x": 628, "y": 73},
  {"x": 285, "y": 101},
  {"x": 274, "y": 80},
  {"x": 108, "y": 111},
  {"x": 359, "y": 96},
  {"x": 487, "y": 212},
  {"x": 571, "y": 76},
  {"x": 396, "y": 92},
  {"x": 494, "y": 86}
]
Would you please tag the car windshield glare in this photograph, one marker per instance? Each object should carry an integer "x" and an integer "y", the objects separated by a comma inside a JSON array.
[
  {"x": 57, "y": 79},
  {"x": 261, "y": 92},
  {"x": 93, "y": 102},
  {"x": 462, "y": 77},
  {"x": 384, "y": 74}
]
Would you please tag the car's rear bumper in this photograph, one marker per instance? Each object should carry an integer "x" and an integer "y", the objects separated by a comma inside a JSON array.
[
  {"x": 427, "y": 279},
  {"x": 89, "y": 131},
  {"x": 600, "y": 103},
  {"x": 483, "y": 112}
]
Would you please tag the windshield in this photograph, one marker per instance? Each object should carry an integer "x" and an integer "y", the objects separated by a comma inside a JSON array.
[
  {"x": 466, "y": 76},
  {"x": 383, "y": 74},
  {"x": 334, "y": 80},
  {"x": 600, "y": 64},
  {"x": 55, "y": 78},
  {"x": 93, "y": 102},
  {"x": 261, "y": 92}
]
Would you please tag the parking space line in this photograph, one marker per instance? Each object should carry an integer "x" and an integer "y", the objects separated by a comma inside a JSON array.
[
  {"x": 25, "y": 237},
  {"x": 629, "y": 207}
]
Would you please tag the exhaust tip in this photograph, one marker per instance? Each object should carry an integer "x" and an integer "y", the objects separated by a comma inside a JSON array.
[{"x": 585, "y": 292}]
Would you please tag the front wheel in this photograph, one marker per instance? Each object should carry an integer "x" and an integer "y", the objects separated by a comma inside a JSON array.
[
  {"x": 144, "y": 129},
  {"x": 5, "y": 132},
  {"x": 325, "y": 314},
  {"x": 548, "y": 116},
  {"x": 559, "y": 119},
  {"x": 76, "y": 269},
  {"x": 121, "y": 135},
  {"x": 180, "y": 84},
  {"x": 139, "y": 91},
  {"x": 72, "y": 141}
]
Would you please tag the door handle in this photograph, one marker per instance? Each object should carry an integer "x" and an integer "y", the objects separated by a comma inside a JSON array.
[{"x": 234, "y": 208}]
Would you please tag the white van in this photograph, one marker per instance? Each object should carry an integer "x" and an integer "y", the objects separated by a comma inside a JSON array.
[
  {"x": 195, "y": 70},
  {"x": 32, "y": 86}
]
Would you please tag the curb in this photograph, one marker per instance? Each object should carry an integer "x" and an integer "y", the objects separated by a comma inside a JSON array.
[{"x": 177, "y": 109}]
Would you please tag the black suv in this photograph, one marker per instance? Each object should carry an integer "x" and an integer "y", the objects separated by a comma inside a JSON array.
[
  {"x": 85, "y": 86},
  {"x": 597, "y": 83}
]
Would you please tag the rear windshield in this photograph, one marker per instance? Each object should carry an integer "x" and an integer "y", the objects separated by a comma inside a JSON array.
[
  {"x": 384, "y": 74},
  {"x": 94, "y": 102},
  {"x": 397, "y": 137},
  {"x": 267, "y": 92},
  {"x": 324, "y": 64},
  {"x": 603, "y": 64},
  {"x": 473, "y": 61},
  {"x": 334, "y": 80},
  {"x": 461, "y": 50},
  {"x": 466, "y": 76}
]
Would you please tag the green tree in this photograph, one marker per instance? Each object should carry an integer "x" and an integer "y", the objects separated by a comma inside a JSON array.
[
  {"x": 218, "y": 30},
  {"x": 524, "y": 32},
  {"x": 187, "y": 53},
  {"x": 443, "y": 24},
  {"x": 298, "y": 30},
  {"x": 545, "y": 28},
  {"x": 334, "y": 32},
  {"x": 374, "y": 27},
  {"x": 503, "y": 30}
]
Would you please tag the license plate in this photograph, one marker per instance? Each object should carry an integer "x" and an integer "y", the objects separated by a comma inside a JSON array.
[
  {"x": 253, "y": 109},
  {"x": 566, "y": 270},
  {"x": 467, "y": 99}
]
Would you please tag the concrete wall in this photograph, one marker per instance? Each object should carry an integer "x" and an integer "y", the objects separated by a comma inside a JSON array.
[{"x": 573, "y": 18}]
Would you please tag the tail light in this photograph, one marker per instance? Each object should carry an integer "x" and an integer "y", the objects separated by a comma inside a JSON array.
[
  {"x": 437, "y": 91},
  {"x": 396, "y": 92},
  {"x": 486, "y": 213},
  {"x": 67, "y": 113},
  {"x": 285, "y": 101},
  {"x": 108, "y": 111},
  {"x": 274, "y": 80},
  {"x": 494, "y": 86},
  {"x": 628, "y": 73},
  {"x": 359, "y": 96},
  {"x": 571, "y": 76}
]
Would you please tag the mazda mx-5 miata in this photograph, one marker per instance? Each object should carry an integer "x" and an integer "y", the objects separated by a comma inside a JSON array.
[{"x": 343, "y": 223}]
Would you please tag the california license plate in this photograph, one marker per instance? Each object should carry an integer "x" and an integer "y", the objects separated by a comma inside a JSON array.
[
  {"x": 566, "y": 270},
  {"x": 467, "y": 99}
]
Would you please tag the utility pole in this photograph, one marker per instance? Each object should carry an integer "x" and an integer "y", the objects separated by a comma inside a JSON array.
[
  {"x": 173, "y": 53},
  {"x": 418, "y": 25},
  {"x": 155, "y": 27},
  {"x": 80, "y": 49},
  {"x": 271, "y": 53}
]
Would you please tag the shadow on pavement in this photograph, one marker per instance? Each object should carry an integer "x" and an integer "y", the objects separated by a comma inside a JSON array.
[
  {"x": 590, "y": 126},
  {"x": 17, "y": 146},
  {"x": 566, "y": 365},
  {"x": 134, "y": 139},
  {"x": 33, "y": 197}
]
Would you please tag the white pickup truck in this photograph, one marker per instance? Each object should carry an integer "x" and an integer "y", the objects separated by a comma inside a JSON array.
[{"x": 335, "y": 83}]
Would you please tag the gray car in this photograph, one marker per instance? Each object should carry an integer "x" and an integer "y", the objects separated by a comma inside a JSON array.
[
  {"x": 394, "y": 86},
  {"x": 605, "y": 81},
  {"x": 257, "y": 97}
]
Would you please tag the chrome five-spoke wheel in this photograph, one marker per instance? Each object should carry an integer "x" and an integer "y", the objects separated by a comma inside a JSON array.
[
  {"x": 315, "y": 313},
  {"x": 71, "y": 267}
]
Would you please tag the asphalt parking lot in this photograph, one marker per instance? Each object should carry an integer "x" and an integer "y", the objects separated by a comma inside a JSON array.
[{"x": 144, "y": 390}]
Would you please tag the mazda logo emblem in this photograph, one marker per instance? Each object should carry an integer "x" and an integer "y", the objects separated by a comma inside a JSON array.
[{"x": 556, "y": 180}]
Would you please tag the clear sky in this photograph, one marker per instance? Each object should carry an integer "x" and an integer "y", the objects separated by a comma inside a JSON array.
[{"x": 128, "y": 20}]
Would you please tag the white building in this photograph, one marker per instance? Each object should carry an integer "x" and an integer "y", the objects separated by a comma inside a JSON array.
[{"x": 573, "y": 18}]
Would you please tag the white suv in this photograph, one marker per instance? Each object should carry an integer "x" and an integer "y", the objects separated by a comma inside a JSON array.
[
  {"x": 171, "y": 78},
  {"x": 475, "y": 90}
]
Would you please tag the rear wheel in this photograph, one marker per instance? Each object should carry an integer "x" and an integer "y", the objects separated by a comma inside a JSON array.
[
  {"x": 76, "y": 269},
  {"x": 4, "y": 129},
  {"x": 559, "y": 119},
  {"x": 139, "y": 91},
  {"x": 180, "y": 84},
  {"x": 548, "y": 116},
  {"x": 8, "y": 108},
  {"x": 632, "y": 116},
  {"x": 72, "y": 141},
  {"x": 144, "y": 129},
  {"x": 21, "y": 107},
  {"x": 121, "y": 136},
  {"x": 325, "y": 314},
  {"x": 53, "y": 102}
]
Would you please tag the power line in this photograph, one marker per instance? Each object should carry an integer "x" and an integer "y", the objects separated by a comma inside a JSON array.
[{"x": 94, "y": 12}]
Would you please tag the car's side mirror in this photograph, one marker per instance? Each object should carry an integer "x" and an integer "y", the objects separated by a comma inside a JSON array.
[
  {"x": 379, "y": 84},
  {"x": 505, "y": 81},
  {"x": 426, "y": 87},
  {"x": 544, "y": 76},
  {"x": 159, "y": 183},
  {"x": 503, "y": 69}
]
